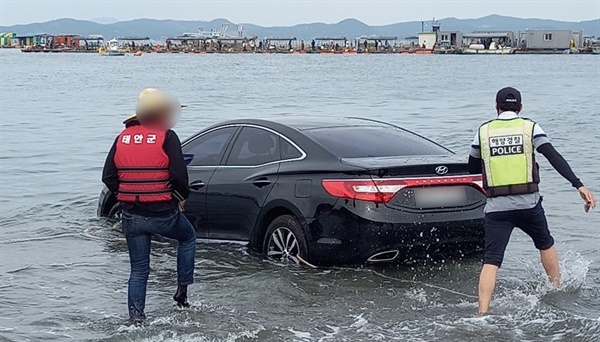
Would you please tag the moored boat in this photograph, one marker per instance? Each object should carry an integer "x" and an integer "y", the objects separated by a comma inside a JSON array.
[
  {"x": 113, "y": 49},
  {"x": 492, "y": 50},
  {"x": 489, "y": 43},
  {"x": 571, "y": 52},
  {"x": 444, "y": 47},
  {"x": 40, "y": 49}
]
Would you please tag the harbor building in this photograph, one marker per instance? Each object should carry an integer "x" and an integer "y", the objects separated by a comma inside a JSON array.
[
  {"x": 455, "y": 38},
  {"x": 62, "y": 40},
  {"x": 550, "y": 39},
  {"x": 31, "y": 40},
  {"x": 427, "y": 39},
  {"x": 6, "y": 39}
]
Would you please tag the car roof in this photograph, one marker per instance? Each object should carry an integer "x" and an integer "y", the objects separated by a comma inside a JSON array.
[
  {"x": 300, "y": 130},
  {"x": 303, "y": 123}
]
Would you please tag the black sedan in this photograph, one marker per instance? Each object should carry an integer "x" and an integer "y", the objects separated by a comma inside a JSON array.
[{"x": 332, "y": 191}]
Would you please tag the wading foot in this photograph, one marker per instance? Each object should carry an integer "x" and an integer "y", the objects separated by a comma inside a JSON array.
[
  {"x": 136, "y": 320},
  {"x": 180, "y": 296}
]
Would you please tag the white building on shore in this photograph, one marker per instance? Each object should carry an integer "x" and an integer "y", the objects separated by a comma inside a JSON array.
[{"x": 550, "y": 39}]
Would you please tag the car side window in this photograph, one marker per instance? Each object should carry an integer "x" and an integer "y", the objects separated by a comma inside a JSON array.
[
  {"x": 254, "y": 146},
  {"x": 208, "y": 149},
  {"x": 287, "y": 150}
]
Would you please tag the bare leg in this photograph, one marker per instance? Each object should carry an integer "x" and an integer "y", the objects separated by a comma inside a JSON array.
[
  {"x": 487, "y": 283},
  {"x": 550, "y": 262}
]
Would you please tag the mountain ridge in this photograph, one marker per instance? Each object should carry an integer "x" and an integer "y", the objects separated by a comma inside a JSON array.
[{"x": 350, "y": 27}]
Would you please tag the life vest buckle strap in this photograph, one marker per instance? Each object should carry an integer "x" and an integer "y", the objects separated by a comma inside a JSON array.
[{"x": 510, "y": 190}]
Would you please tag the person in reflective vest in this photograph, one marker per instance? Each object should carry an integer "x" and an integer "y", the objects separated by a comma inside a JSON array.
[
  {"x": 146, "y": 171},
  {"x": 509, "y": 166},
  {"x": 504, "y": 152}
]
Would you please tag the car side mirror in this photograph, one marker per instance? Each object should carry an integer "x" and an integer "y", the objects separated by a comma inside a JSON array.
[{"x": 187, "y": 158}]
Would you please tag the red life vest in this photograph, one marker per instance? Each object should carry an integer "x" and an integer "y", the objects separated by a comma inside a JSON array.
[{"x": 142, "y": 165}]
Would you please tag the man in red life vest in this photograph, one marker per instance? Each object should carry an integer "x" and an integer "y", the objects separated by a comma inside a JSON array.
[{"x": 146, "y": 170}]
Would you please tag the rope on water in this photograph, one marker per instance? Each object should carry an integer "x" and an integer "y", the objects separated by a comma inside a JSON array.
[
  {"x": 425, "y": 284},
  {"x": 306, "y": 263},
  {"x": 406, "y": 281},
  {"x": 39, "y": 238}
]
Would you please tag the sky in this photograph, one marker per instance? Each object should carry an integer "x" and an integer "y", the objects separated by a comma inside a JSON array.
[{"x": 290, "y": 12}]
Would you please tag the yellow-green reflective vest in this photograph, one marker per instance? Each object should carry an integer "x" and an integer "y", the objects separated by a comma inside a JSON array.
[{"x": 508, "y": 157}]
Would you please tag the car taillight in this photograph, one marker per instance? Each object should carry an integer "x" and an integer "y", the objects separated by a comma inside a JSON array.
[
  {"x": 479, "y": 184},
  {"x": 383, "y": 190},
  {"x": 364, "y": 190}
]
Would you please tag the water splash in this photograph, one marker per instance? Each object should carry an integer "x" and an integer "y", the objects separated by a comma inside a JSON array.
[
  {"x": 534, "y": 303},
  {"x": 574, "y": 269}
]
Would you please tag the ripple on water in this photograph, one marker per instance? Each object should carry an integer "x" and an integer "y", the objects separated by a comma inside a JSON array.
[{"x": 63, "y": 273}]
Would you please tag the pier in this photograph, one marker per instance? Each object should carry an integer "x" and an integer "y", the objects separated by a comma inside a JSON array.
[{"x": 434, "y": 41}]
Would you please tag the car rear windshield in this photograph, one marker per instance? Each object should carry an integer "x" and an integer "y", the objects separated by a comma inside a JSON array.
[{"x": 377, "y": 141}]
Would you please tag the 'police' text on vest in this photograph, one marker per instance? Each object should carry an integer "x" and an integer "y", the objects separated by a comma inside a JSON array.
[{"x": 506, "y": 145}]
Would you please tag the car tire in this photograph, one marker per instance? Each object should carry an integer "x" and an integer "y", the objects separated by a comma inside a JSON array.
[
  {"x": 115, "y": 211},
  {"x": 285, "y": 240}
]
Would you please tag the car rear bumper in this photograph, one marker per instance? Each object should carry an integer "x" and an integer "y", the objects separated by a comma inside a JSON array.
[{"x": 344, "y": 237}]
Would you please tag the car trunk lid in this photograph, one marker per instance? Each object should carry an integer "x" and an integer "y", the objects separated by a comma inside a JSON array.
[
  {"x": 410, "y": 166},
  {"x": 422, "y": 183}
]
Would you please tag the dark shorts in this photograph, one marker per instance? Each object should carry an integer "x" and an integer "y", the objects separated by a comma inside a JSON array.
[{"x": 499, "y": 226}]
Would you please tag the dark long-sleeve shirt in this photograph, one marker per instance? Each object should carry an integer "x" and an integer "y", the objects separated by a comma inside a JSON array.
[
  {"x": 178, "y": 178},
  {"x": 542, "y": 144}
]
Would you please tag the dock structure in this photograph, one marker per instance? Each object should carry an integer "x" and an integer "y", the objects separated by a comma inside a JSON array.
[
  {"x": 278, "y": 44},
  {"x": 135, "y": 43},
  {"x": 376, "y": 44},
  {"x": 236, "y": 44},
  {"x": 332, "y": 44},
  {"x": 430, "y": 41},
  {"x": 184, "y": 43},
  {"x": 88, "y": 44},
  {"x": 209, "y": 44}
]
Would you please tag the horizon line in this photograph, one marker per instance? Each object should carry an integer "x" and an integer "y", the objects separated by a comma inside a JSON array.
[{"x": 291, "y": 24}]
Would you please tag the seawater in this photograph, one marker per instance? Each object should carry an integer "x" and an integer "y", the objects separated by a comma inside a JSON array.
[{"x": 63, "y": 271}]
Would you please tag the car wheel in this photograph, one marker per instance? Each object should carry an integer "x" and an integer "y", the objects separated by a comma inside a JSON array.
[
  {"x": 115, "y": 211},
  {"x": 284, "y": 240}
]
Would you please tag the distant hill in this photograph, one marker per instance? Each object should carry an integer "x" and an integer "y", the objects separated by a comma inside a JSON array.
[
  {"x": 105, "y": 20},
  {"x": 350, "y": 28}
]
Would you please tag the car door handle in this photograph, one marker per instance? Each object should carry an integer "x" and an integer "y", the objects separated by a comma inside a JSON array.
[
  {"x": 197, "y": 185},
  {"x": 261, "y": 182}
]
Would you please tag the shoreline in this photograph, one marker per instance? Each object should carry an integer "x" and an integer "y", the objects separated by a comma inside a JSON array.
[{"x": 296, "y": 52}]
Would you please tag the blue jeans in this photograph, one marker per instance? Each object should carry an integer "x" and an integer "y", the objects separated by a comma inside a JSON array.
[{"x": 138, "y": 231}]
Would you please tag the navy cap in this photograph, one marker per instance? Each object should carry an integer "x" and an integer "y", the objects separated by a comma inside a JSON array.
[{"x": 508, "y": 95}]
